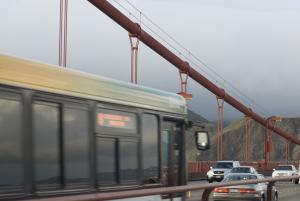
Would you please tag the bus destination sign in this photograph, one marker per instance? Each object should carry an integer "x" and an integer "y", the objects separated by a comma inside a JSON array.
[{"x": 115, "y": 121}]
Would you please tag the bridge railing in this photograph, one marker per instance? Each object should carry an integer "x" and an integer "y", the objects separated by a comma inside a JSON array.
[{"x": 208, "y": 188}]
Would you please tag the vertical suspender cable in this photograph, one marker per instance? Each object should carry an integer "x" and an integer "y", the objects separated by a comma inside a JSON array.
[
  {"x": 63, "y": 33},
  {"x": 156, "y": 46},
  {"x": 60, "y": 33}
]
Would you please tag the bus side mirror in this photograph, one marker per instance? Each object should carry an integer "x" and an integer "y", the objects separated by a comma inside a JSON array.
[{"x": 202, "y": 140}]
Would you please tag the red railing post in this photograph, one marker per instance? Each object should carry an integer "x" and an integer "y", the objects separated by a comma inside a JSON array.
[
  {"x": 205, "y": 194},
  {"x": 269, "y": 190}
]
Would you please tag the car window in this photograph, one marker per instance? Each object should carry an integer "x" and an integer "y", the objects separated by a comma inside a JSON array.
[
  {"x": 287, "y": 167},
  {"x": 241, "y": 170},
  {"x": 223, "y": 165},
  {"x": 239, "y": 177}
]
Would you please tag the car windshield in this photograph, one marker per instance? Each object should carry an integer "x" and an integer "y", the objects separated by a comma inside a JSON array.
[
  {"x": 286, "y": 167},
  {"x": 240, "y": 170},
  {"x": 239, "y": 177},
  {"x": 223, "y": 165}
]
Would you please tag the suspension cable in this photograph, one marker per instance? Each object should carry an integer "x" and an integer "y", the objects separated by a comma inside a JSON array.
[{"x": 236, "y": 91}]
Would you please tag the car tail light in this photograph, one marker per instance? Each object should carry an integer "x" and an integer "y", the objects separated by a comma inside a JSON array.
[
  {"x": 247, "y": 191},
  {"x": 221, "y": 190}
]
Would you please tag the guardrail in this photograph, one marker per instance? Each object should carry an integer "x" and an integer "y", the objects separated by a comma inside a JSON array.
[{"x": 208, "y": 188}]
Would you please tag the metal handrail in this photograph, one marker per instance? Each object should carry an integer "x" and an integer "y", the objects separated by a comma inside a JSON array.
[{"x": 167, "y": 190}]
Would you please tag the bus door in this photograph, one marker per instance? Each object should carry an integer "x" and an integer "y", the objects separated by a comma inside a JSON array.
[{"x": 172, "y": 153}]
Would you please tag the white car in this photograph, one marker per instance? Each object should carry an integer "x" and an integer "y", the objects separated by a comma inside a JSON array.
[
  {"x": 220, "y": 169},
  {"x": 285, "y": 170}
]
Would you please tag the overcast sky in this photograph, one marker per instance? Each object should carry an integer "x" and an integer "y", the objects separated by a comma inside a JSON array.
[{"x": 253, "y": 44}]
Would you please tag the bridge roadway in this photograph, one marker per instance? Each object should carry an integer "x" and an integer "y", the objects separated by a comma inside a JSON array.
[{"x": 287, "y": 191}]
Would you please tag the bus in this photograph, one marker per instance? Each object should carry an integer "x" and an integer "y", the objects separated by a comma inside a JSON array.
[{"x": 65, "y": 132}]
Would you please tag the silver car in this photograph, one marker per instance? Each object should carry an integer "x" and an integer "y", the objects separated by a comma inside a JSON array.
[{"x": 253, "y": 192}]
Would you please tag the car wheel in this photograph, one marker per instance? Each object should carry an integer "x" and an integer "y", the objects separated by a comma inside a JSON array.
[{"x": 296, "y": 181}]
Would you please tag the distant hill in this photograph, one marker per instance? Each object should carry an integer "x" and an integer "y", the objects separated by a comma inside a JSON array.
[
  {"x": 235, "y": 134},
  {"x": 192, "y": 153},
  {"x": 234, "y": 141},
  {"x": 192, "y": 116},
  {"x": 225, "y": 122}
]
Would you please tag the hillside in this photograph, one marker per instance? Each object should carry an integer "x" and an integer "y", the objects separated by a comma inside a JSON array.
[
  {"x": 234, "y": 141},
  {"x": 192, "y": 153}
]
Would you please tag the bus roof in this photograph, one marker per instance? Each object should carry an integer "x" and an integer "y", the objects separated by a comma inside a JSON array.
[{"x": 50, "y": 78}]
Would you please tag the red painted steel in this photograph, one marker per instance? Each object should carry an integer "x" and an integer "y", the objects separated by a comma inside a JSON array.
[
  {"x": 267, "y": 144},
  {"x": 156, "y": 46},
  {"x": 248, "y": 141},
  {"x": 271, "y": 121},
  {"x": 287, "y": 151},
  {"x": 220, "y": 104},
  {"x": 184, "y": 75}
]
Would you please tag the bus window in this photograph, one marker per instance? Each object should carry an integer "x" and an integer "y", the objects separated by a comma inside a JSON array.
[
  {"x": 106, "y": 158},
  {"x": 76, "y": 145},
  {"x": 10, "y": 141},
  {"x": 46, "y": 143},
  {"x": 113, "y": 153},
  {"x": 128, "y": 161},
  {"x": 150, "y": 148}
]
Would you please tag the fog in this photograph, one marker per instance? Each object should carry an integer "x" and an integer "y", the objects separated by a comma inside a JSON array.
[{"x": 252, "y": 44}]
